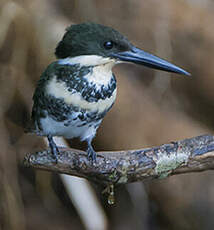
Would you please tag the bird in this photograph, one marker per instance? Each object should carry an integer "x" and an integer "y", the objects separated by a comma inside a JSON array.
[{"x": 76, "y": 91}]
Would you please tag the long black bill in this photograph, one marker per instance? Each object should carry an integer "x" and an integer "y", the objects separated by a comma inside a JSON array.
[{"x": 141, "y": 57}]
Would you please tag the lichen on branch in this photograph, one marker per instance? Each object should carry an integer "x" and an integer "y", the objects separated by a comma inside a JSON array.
[{"x": 121, "y": 167}]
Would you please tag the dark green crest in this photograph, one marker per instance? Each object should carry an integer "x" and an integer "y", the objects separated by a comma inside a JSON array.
[{"x": 91, "y": 39}]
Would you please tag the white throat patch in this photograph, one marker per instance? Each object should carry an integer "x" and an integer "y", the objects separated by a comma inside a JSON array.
[
  {"x": 100, "y": 75},
  {"x": 102, "y": 71},
  {"x": 86, "y": 60}
]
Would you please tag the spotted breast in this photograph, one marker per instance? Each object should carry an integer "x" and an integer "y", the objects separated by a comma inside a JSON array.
[{"x": 72, "y": 99}]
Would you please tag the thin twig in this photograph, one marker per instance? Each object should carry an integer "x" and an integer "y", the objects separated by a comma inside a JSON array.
[{"x": 189, "y": 155}]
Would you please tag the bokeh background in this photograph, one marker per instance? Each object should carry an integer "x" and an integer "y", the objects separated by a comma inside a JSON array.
[{"x": 152, "y": 108}]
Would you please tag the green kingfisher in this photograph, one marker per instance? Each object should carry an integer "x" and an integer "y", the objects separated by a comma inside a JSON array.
[{"x": 76, "y": 91}]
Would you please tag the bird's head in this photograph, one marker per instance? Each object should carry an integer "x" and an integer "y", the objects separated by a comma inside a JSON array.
[{"x": 99, "y": 44}]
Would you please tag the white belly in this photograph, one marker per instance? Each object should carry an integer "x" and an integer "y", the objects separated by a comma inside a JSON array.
[{"x": 74, "y": 129}]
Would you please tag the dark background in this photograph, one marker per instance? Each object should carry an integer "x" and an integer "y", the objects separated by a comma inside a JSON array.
[{"x": 152, "y": 108}]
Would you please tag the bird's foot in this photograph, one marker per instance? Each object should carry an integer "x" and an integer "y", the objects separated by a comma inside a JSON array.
[
  {"x": 91, "y": 154},
  {"x": 54, "y": 148},
  {"x": 55, "y": 152}
]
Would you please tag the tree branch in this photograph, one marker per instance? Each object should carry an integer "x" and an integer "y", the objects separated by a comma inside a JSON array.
[{"x": 189, "y": 155}]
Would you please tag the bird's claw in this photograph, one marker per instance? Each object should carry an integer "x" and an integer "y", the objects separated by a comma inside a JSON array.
[
  {"x": 55, "y": 152},
  {"x": 54, "y": 148},
  {"x": 92, "y": 156}
]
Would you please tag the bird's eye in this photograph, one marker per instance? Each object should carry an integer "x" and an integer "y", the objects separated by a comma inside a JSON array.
[{"x": 108, "y": 45}]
